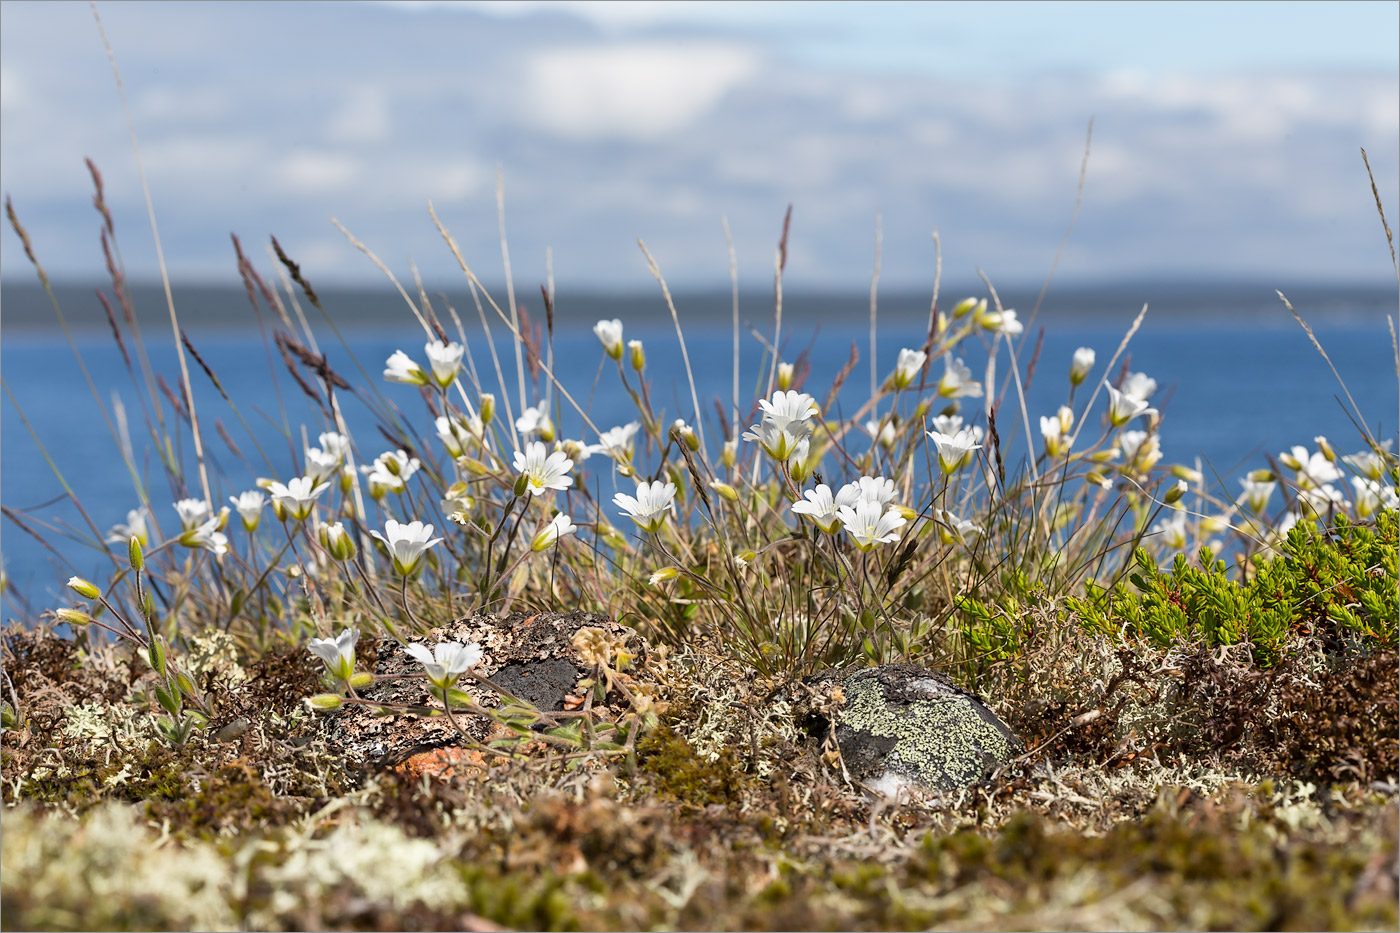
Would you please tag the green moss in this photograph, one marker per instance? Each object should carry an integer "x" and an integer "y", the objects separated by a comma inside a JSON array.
[{"x": 674, "y": 770}]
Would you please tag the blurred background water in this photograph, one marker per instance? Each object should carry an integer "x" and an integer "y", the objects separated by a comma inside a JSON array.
[{"x": 1237, "y": 382}]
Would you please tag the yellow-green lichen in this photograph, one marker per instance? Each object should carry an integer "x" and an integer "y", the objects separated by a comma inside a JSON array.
[{"x": 940, "y": 741}]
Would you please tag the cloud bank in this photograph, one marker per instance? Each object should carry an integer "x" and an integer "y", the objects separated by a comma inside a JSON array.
[{"x": 273, "y": 118}]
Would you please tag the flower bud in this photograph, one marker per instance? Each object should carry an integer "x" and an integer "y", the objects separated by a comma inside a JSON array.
[
  {"x": 73, "y": 616},
  {"x": 744, "y": 558},
  {"x": 664, "y": 574},
  {"x": 1325, "y": 448},
  {"x": 730, "y": 454},
  {"x": 1098, "y": 479},
  {"x": 134, "y": 556},
  {"x": 637, "y": 355},
  {"x": 725, "y": 490},
  {"x": 1080, "y": 365},
  {"x": 687, "y": 434},
  {"x": 1174, "y": 494},
  {"x": 347, "y": 480},
  {"x": 488, "y": 407},
  {"x": 361, "y": 679},
  {"x": 785, "y": 371},
  {"x": 908, "y": 513},
  {"x": 522, "y": 484},
  {"x": 324, "y": 701},
  {"x": 1263, "y": 476},
  {"x": 962, "y": 308},
  {"x": 337, "y": 541},
  {"x": 1183, "y": 472},
  {"x": 83, "y": 588},
  {"x": 279, "y": 511}
]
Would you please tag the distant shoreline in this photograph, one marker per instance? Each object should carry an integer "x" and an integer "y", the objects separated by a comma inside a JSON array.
[{"x": 24, "y": 307}]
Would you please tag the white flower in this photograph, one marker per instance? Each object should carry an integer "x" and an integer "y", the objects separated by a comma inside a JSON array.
[
  {"x": 909, "y": 364},
  {"x": 320, "y": 464},
  {"x": 338, "y": 653},
  {"x": 447, "y": 661},
  {"x": 249, "y": 505},
  {"x": 953, "y": 529},
  {"x": 651, "y": 504},
  {"x": 207, "y": 536},
  {"x": 543, "y": 471},
  {"x": 535, "y": 420},
  {"x": 868, "y": 524},
  {"x": 1369, "y": 463},
  {"x": 445, "y": 359},
  {"x": 947, "y": 424},
  {"x": 337, "y": 541},
  {"x": 875, "y": 489},
  {"x": 298, "y": 497},
  {"x": 1256, "y": 494},
  {"x": 407, "y": 544},
  {"x": 1312, "y": 469},
  {"x": 1372, "y": 495},
  {"x": 820, "y": 506},
  {"x": 785, "y": 424},
  {"x": 610, "y": 333},
  {"x": 957, "y": 380},
  {"x": 1123, "y": 408},
  {"x": 1141, "y": 451},
  {"x": 1004, "y": 322},
  {"x": 788, "y": 407},
  {"x": 453, "y": 433},
  {"x": 193, "y": 512},
  {"x": 390, "y": 472},
  {"x": 334, "y": 443},
  {"x": 1055, "y": 430},
  {"x": 1173, "y": 531},
  {"x": 952, "y": 449},
  {"x": 559, "y": 526},
  {"x": 401, "y": 368},
  {"x": 135, "y": 527},
  {"x": 616, "y": 442},
  {"x": 1079, "y": 366},
  {"x": 1319, "y": 501},
  {"x": 1139, "y": 386},
  {"x": 881, "y": 430}
]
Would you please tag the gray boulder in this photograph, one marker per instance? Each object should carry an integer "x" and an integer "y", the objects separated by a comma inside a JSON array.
[{"x": 901, "y": 725}]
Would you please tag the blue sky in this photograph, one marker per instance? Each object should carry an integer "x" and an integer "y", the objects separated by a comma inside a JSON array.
[{"x": 1226, "y": 137}]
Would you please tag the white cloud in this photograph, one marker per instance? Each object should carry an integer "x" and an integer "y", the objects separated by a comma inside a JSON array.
[
  {"x": 310, "y": 172},
  {"x": 364, "y": 117},
  {"x": 637, "y": 91}
]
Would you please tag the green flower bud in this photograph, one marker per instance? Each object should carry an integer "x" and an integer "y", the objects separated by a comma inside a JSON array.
[
  {"x": 488, "y": 408},
  {"x": 134, "y": 557},
  {"x": 73, "y": 616},
  {"x": 361, "y": 679},
  {"x": 1174, "y": 494},
  {"x": 638, "y": 356},
  {"x": 83, "y": 588},
  {"x": 785, "y": 372},
  {"x": 725, "y": 490},
  {"x": 325, "y": 701}
]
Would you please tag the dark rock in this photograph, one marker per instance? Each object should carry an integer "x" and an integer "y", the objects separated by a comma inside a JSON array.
[
  {"x": 531, "y": 655},
  {"x": 901, "y": 725}
]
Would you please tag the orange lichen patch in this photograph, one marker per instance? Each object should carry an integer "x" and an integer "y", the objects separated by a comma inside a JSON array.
[{"x": 451, "y": 762}]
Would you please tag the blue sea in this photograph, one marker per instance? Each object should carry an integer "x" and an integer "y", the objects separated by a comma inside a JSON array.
[{"x": 1238, "y": 380}]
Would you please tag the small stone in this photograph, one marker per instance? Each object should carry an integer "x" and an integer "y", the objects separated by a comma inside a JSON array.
[
  {"x": 903, "y": 725},
  {"x": 233, "y": 730}
]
